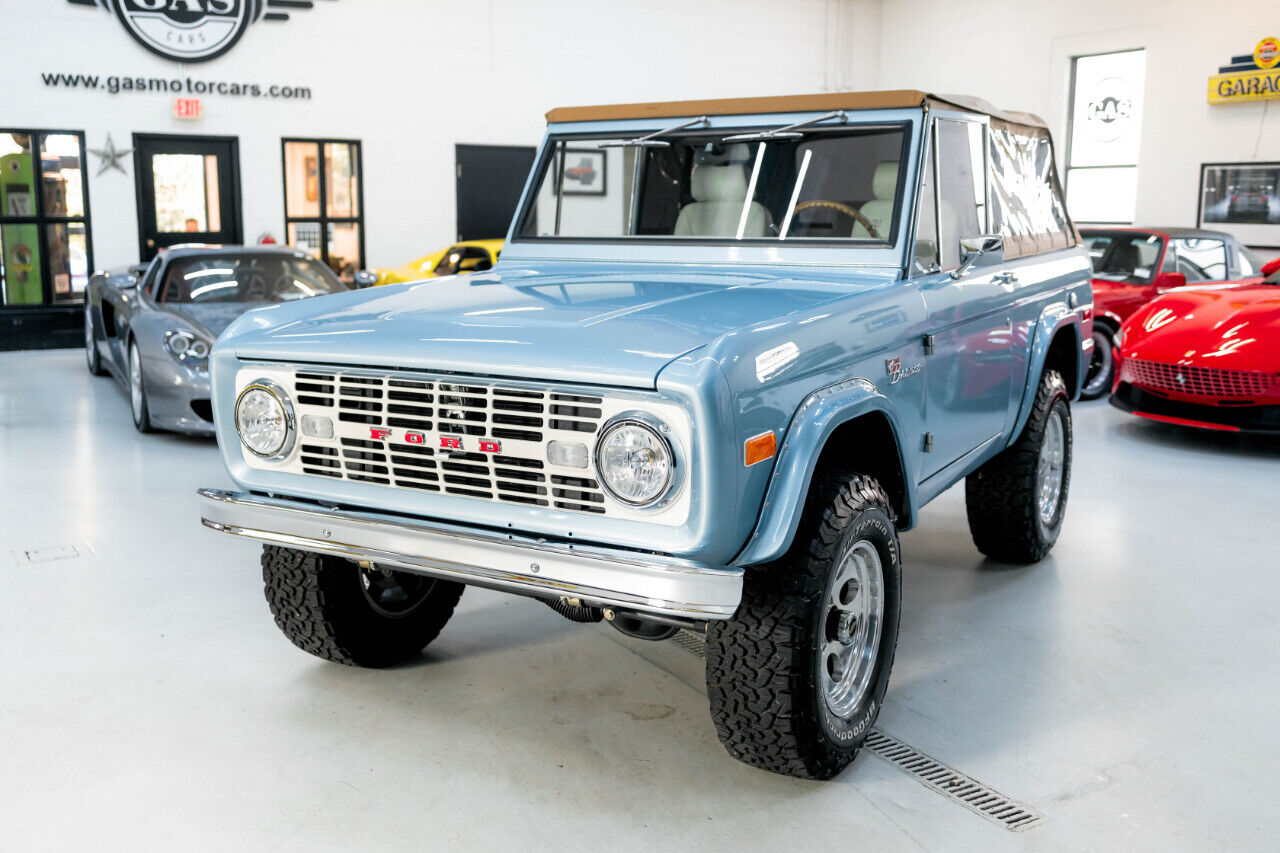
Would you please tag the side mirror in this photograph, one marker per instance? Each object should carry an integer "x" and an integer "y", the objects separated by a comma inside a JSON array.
[
  {"x": 366, "y": 278},
  {"x": 1271, "y": 267},
  {"x": 1169, "y": 280},
  {"x": 985, "y": 248}
]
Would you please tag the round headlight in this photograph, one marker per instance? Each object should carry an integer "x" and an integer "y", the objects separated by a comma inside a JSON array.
[
  {"x": 634, "y": 461},
  {"x": 264, "y": 419}
]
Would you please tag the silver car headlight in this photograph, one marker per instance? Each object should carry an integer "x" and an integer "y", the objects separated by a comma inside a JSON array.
[
  {"x": 187, "y": 348},
  {"x": 634, "y": 461},
  {"x": 264, "y": 419}
]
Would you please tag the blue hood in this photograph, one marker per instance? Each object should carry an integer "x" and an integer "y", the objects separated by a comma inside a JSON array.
[{"x": 603, "y": 325}]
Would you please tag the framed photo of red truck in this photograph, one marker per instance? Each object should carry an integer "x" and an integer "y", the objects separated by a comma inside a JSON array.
[{"x": 1242, "y": 199}]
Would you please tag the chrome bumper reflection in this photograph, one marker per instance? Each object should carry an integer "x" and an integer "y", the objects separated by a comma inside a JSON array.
[{"x": 509, "y": 562}]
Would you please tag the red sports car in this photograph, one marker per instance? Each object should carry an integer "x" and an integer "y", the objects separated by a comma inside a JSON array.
[
  {"x": 1205, "y": 356},
  {"x": 1132, "y": 266}
]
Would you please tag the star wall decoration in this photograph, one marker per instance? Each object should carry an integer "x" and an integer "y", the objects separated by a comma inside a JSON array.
[{"x": 110, "y": 157}]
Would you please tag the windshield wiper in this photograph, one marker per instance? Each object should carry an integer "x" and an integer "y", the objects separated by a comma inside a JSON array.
[
  {"x": 651, "y": 140},
  {"x": 788, "y": 132}
]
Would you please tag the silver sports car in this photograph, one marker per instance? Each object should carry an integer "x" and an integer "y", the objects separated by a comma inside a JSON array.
[{"x": 151, "y": 326}]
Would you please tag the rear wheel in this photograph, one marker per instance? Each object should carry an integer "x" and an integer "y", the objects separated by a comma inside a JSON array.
[
  {"x": 1016, "y": 501},
  {"x": 351, "y": 614},
  {"x": 1102, "y": 365},
  {"x": 796, "y": 678},
  {"x": 138, "y": 391}
]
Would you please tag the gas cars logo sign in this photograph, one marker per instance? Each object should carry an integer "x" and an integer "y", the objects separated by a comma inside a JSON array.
[{"x": 193, "y": 30}]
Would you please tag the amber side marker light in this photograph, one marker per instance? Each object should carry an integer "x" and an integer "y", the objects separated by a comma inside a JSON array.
[{"x": 759, "y": 448}]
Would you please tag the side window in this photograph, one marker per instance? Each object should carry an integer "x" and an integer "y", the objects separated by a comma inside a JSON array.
[
  {"x": 961, "y": 185},
  {"x": 1200, "y": 259},
  {"x": 926, "y": 249},
  {"x": 149, "y": 281},
  {"x": 448, "y": 265}
]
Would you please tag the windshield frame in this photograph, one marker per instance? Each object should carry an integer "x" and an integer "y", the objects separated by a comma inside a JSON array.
[{"x": 887, "y": 252}]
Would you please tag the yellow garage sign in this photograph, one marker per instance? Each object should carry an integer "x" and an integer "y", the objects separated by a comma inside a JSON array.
[{"x": 1249, "y": 77}]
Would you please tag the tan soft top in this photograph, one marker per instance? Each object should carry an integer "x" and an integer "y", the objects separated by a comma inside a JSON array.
[{"x": 890, "y": 99}]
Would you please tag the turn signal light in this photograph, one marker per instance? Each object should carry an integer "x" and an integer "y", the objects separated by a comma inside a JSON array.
[{"x": 759, "y": 448}]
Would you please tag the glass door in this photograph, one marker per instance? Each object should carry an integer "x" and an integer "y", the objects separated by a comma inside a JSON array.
[
  {"x": 322, "y": 202},
  {"x": 188, "y": 191}
]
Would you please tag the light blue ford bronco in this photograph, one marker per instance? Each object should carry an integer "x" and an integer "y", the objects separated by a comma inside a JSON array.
[{"x": 703, "y": 390}]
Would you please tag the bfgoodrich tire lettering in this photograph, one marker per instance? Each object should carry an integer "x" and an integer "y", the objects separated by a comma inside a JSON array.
[
  {"x": 1004, "y": 498},
  {"x": 763, "y": 680},
  {"x": 324, "y": 606}
]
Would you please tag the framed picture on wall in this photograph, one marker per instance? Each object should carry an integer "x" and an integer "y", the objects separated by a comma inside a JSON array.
[
  {"x": 311, "y": 165},
  {"x": 584, "y": 172},
  {"x": 1240, "y": 198}
]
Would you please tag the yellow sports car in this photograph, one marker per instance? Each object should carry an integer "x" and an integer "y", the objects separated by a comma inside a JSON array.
[{"x": 466, "y": 256}]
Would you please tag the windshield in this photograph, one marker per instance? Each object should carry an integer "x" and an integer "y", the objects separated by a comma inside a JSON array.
[
  {"x": 824, "y": 184},
  {"x": 1124, "y": 256},
  {"x": 250, "y": 277}
]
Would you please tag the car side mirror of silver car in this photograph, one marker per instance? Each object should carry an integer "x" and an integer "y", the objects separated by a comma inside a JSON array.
[{"x": 983, "y": 250}]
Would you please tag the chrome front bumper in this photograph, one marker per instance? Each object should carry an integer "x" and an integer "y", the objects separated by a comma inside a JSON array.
[{"x": 507, "y": 562}]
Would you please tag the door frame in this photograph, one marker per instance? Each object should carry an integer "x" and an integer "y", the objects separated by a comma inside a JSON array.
[
  {"x": 322, "y": 217},
  {"x": 236, "y": 228}
]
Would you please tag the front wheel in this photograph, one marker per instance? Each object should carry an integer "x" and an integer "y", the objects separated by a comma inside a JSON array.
[
  {"x": 796, "y": 678},
  {"x": 92, "y": 357},
  {"x": 359, "y": 615},
  {"x": 138, "y": 391},
  {"x": 1102, "y": 365},
  {"x": 1016, "y": 501}
]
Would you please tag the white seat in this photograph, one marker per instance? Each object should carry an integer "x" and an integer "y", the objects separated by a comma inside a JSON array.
[
  {"x": 718, "y": 193},
  {"x": 879, "y": 211}
]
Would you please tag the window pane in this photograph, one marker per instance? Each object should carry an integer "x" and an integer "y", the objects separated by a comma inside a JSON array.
[
  {"x": 302, "y": 179},
  {"x": 62, "y": 176},
  {"x": 344, "y": 249},
  {"x": 68, "y": 261},
  {"x": 1200, "y": 260},
  {"x": 341, "y": 179},
  {"x": 1102, "y": 195},
  {"x": 961, "y": 188},
  {"x": 186, "y": 193},
  {"x": 20, "y": 265},
  {"x": 1124, "y": 256},
  {"x": 17, "y": 176},
  {"x": 305, "y": 236},
  {"x": 1106, "y": 114}
]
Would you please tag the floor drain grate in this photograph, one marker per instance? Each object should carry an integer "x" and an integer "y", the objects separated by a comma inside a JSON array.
[
  {"x": 693, "y": 641},
  {"x": 954, "y": 785}
]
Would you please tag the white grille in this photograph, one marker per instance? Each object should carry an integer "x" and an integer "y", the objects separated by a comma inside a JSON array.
[
  {"x": 396, "y": 428},
  {"x": 508, "y": 417}
]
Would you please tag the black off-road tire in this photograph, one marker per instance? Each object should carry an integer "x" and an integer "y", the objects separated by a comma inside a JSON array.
[
  {"x": 319, "y": 603},
  {"x": 762, "y": 678},
  {"x": 1001, "y": 496}
]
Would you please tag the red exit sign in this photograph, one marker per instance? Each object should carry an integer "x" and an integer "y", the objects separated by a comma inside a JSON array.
[{"x": 187, "y": 108}]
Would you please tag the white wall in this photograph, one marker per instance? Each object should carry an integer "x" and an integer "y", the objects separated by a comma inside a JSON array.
[
  {"x": 1017, "y": 54},
  {"x": 411, "y": 78}
]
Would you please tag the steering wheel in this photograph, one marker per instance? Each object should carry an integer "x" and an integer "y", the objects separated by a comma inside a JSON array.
[{"x": 839, "y": 207}]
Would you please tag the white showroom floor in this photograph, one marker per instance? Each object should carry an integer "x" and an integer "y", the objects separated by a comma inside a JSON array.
[{"x": 1126, "y": 688}]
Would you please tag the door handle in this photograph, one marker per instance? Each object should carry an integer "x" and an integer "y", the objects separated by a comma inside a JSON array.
[{"x": 151, "y": 244}]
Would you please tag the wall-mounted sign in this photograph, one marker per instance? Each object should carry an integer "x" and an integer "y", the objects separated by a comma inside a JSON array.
[
  {"x": 189, "y": 109},
  {"x": 1249, "y": 77},
  {"x": 109, "y": 157},
  {"x": 193, "y": 30}
]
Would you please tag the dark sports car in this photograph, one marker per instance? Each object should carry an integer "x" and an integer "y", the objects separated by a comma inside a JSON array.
[{"x": 151, "y": 326}]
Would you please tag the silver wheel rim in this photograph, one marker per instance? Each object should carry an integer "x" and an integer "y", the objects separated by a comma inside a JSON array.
[
  {"x": 1052, "y": 461},
  {"x": 854, "y": 607},
  {"x": 135, "y": 382},
  {"x": 1099, "y": 364}
]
